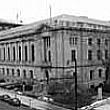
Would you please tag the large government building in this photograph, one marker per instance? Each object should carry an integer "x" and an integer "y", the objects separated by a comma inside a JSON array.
[{"x": 47, "y": 49}]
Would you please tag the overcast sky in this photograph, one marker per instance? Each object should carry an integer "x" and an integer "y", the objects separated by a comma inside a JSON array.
[{"x": 34, "y": 10}]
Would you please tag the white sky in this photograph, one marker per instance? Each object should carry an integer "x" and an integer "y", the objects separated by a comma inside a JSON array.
[{"x": 34, "y": 10}]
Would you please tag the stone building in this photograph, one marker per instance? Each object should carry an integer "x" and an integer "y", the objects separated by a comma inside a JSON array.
[{"x": 47, "y": 48}]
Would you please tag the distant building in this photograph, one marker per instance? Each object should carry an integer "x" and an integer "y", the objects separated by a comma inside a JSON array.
[
  {"x": 28, "y": 52},
  {"x": 4, "y": 25}
]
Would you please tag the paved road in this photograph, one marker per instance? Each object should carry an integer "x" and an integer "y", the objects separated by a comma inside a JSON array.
[
  {"x": 6, "y": 106},
  {"x": 33, "y": 103}
]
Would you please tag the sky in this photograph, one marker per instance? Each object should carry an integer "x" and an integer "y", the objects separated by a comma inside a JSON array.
[{"x": 33, "y": 10}]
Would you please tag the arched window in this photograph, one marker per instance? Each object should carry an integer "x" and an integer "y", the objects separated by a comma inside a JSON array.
[
  {"x": 13, "y": 72},
  {"x": 31, "y": 74},
  {"x": 24, "y": 73},
  {"x": 7, "y": 71},
  {"x": 18, "y": 72}
]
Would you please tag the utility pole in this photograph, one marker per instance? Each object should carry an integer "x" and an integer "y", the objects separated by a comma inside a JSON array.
[{"x": 75, "y": 75}]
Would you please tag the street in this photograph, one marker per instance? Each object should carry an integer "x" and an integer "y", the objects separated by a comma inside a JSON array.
[
  {"x": 6, "y": 106},
  {"x": 31, "y": 102}
]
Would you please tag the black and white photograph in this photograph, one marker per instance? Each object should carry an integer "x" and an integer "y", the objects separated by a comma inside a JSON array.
[{"x": 54, "y": 55}]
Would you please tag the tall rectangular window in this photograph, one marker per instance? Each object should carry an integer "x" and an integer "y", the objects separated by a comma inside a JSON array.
[
  {"x": 33, "y": 57},
  {"x": 89, "y": 54},
  {"x": 98, "y": 42},
  {"x": 73, "y": 55},
  {"x": 106, "y": 42},
  {"x": 0, "y": 54},
  {"x": 99, "y": 54},
  {"x": 106, "y": 54},
  {"x": 100, "y": 73},
  {"x": 49, "y": 56},
  {"x": 7, "y": 71},
  {"x": 26, "y": 53},
  {"x": 91, "y": 74},
  {"x": 13, "y": 53},
  {"x": 90, "y": 41},
  {"x": 19, "y": 53}
]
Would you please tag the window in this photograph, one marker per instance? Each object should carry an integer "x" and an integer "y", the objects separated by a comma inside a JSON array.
[
  {"x": 7, "y": 72},
  {"x": 31, "y": 74},
  {"x": 8, "y": 53},
  {"x": 0, "y": 54},
  {"x": 19, "y": 53},
  {"x": 70, "y": 41},
  {"x": 106, "y": 42},
  {"x": 47, "y": 41},
  {"x": 100, "y": 73},
  {"x": 24, "y": 73},
  {"x": 49, "y": 56},
  {"x": 98, "y": 42},
  {"x": 3, "y": 71},
  {"x": 26, "y": 53},
  {"x": 91, "y": 74},
  {"x": 76, "y": 40},
  {"x": 32, "y": 47},
  {"x": 18, "y": 72},
  {"x": 12, "y": 72},
  {"x": 13, "y": 53},
  {"x": 89, "y": 41},
  {"x": 89, "y": 54},
  {"x": 106, "y": 54},
  {"x": 99, "y": 54},
  {"x": 73, "y": 55},
  {"x": 73, "y": 40}
]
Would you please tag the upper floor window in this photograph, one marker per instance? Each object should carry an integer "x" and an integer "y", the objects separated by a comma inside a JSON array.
[
  {"x": 73, "y": 55},
  {"x": 106, "y": 54},
  {"x": 91, "y": 74},
  {"x": 33, "y": 57},
  {"x": 98, "y": 42},
  {"x": 73, "y": 40},
  {"x": 13, "y": 72},
  {"x": 89, "y": 54},
  {"x": 3, "y": 71},
  {"x": 31, "y": 74},
  {"x": 7, "y": 71},
  {"x": 106, "y": 42},
  {"x": 100, "y": 73},
  {"x": 49, "y": 56},
  {"x": 47, "y": 41},
  {"x": 24, "y": 73},
  {"x": 18, "y": 72},
  {"x": 89, "y": 41},
  {"x": 99, "y": 54}
]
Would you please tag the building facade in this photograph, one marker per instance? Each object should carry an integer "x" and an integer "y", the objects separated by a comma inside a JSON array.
[{"x": 47, "y": 49}]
